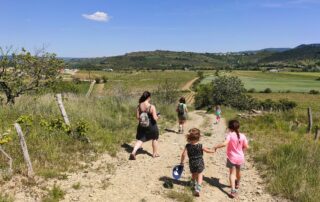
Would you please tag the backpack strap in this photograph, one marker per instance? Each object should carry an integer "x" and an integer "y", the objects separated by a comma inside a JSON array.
[{"x": 147, "y": 110}]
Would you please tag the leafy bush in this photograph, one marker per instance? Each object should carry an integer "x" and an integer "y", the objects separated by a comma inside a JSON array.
[
  {"x": 314, "y": 92},
  {"x": 252, "y": 90},
  {"x": 229, "y": 91},
  {"x": 104, "y": 79},
  {"x": 203, "y": 97},
  {"x": 281, "y": 105},
  {"x": 224, "y": 90},
  {"x": 98, "y": 79},
  {"x": 267, "y": 90},
  {"x": 76, "y": 87}
]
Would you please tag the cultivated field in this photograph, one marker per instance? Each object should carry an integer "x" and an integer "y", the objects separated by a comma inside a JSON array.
[
  {"x": 137, "y": 81},
  {"x": 282, "y": 81}
]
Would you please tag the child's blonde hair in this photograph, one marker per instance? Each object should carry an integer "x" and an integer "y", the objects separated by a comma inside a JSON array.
[{"x": 194, "y": 135}]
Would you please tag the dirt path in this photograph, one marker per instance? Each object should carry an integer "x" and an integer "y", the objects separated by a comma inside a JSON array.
[
  {"x": 117, "y": 179},
  {"x": 99, "y": 90},
  {"x": 188, "y": 85}
]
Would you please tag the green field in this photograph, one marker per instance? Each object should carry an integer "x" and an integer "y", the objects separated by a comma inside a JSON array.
[
  {"x": 138, "y": 81},
  {"x": 282, "y": 81}
]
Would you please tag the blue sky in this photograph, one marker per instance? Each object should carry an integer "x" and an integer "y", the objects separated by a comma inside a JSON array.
[{"x": 91, "y": 28}]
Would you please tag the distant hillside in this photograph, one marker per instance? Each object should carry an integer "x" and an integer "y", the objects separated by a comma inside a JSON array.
[
  {"x": 302, "y": 56},
  {"x": 153, "y": 60},
  {"x": 302, "y": 52}
]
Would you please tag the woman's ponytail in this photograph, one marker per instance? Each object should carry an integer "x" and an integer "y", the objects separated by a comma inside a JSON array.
[{"x": 144, "y": 96}]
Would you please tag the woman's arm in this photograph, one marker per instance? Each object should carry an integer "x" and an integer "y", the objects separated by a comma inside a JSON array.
[
  {"x": 154, "y": 113},
  {"x": 138, "y": 113},
  {"x": 207, "y": 150},
  {"x": 183, "y": 156}
]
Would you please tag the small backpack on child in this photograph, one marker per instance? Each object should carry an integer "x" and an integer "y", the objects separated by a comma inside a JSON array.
[{"x": 181, "y": 109}]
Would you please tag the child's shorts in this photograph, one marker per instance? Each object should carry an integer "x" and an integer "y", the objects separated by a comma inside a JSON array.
[{"x": 230, "y": 164}]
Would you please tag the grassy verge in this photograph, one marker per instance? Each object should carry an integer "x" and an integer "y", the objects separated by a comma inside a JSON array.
[
  {"x": 286, "y": 156},
  {"x": 108, "y": 123}
]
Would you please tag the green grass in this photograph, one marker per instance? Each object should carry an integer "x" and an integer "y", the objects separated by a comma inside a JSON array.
[
  {"x": 181, "y": 196},
  {"x": 5, "y": 198},
  {"x": 111, "y": 122},
  {"x": 285, "y": 155},
  {"x": 282, "y": 81},
  {"x": 54, "y": 195}
]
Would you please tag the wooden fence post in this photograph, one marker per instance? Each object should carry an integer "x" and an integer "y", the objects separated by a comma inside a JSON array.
[
  {"x": 317, "y": 134},
  {"x": 62, "y": 109},
  {"x": 24, "y": 149},
  {"x": 309, "y": 120},
  {"x": 91, "y": 88},
  {"x": 9, "y": 160}
]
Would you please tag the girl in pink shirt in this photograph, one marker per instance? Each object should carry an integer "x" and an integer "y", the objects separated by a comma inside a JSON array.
[{"x": 236, "y": 143}]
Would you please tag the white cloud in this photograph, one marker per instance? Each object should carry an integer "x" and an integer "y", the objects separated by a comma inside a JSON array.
[{"x": 97, "y": 16}]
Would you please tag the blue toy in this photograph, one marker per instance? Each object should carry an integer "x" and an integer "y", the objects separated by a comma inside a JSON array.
[{"x": 177, "y": 172}]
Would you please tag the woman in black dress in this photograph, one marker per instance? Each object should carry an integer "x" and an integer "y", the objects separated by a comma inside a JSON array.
[{"x": 147, "y": 127}]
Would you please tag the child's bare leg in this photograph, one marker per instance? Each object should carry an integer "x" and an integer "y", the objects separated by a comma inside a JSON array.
[
  {"x": 194, "y": 176},
  {"x": 238, "y": 174},
  {"x": 200, "y": 178},
  {"x": 232, "y": 177},
  {"x": 136, "y": 147}
]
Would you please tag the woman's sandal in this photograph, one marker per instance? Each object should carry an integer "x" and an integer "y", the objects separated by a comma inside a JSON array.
[{"x": 132, "y": 157}]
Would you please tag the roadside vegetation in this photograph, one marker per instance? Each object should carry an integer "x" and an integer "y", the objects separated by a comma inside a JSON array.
[{"x": 285, "y": 154}]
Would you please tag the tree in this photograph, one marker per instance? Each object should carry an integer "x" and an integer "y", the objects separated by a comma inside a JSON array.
[
  {"x": 224, "y": 90},
  {"x": 22, "y": 72}
]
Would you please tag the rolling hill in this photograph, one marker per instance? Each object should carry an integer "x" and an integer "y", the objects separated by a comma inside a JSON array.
[
  {"x": 299, "y": 57},
  {"x": 302, "y": 52}
]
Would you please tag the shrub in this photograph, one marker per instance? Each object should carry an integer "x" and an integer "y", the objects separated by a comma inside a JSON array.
[
  {"x": 227, "y": 91},
  {"x": 281, "y": 105},
  {"x": 267, "y": 90},
  {"x": 252, "y": 90},
  {"x": 104, "y": 79},
  {"x": 98, "y": 79},
  {"x": 314, "y": 92}
]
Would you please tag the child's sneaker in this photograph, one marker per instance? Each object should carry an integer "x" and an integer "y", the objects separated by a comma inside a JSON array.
[
  {"x": 197, "y": 190},
  {"x": 233, "y": 193}
]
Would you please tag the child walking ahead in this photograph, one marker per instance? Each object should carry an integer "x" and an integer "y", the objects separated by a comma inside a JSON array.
[
  {"x": 195, "y": 154},
  {"x": 236, "y": 143},
  {"x": 218, "y": 114}
]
